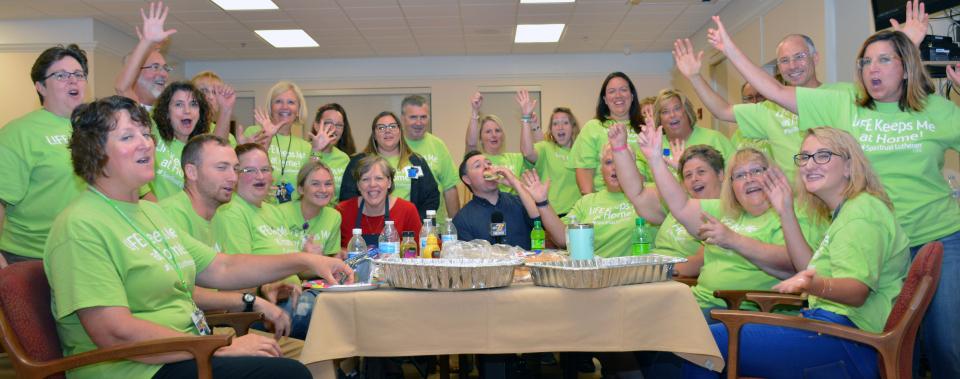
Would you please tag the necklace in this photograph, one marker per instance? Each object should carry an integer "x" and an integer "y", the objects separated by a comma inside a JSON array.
[{"x": 284, "y": 157}]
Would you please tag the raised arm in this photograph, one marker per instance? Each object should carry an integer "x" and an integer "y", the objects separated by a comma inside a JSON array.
[
  {"x": 226, "y": 98},
  {"x": 645, "y": 201},
  {"x": 778, "y": 191},
  {"x": 916, "y": 24},
  {"x": 689, "y": 64},
  {"x": 473, "y": 127},
  {"x": 538, "y": 191},
  {"x": 150, "y": 37},
  {"x": 526, "y": 126},
  {"x": 585, "y": 179},
  {"x": 509, "y": 179},
  {"x": 759, "y": 79}
]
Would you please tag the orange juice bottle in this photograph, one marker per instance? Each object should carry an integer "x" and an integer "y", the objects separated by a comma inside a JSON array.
[{"x": 433, "y": 247}]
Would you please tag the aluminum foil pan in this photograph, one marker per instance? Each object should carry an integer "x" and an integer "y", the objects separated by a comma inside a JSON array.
[
  {"x": 604, "y": 272},
  {"x": 448, "y": 274}
]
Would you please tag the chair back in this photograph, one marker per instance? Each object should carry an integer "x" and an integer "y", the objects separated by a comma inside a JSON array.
[
  {"x": 26, "y": 322},
  {"x": 911, "y": 305}
]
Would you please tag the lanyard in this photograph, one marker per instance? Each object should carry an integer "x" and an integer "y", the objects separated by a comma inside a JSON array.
[
  {"x": 284, "y": 158},
  {"x": 170, "y": 258},
  {"x": 837, "y": 211}
]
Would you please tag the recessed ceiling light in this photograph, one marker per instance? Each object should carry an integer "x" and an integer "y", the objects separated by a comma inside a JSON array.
[
  {"x": 545, "y": 1},
  {"x": 245, "y": 5},
  {"x": 287, "y": 38},
  {"x": 533, "y": 33}
]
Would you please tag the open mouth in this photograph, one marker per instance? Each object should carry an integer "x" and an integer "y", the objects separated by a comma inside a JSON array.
[
  {"x": 259, "y": 185},
  {"x": 227, "y": 188},
  {"x": 144, "y": 160},
  {"x": 160, "y": 82},
  {"x": 697, "y": 188},
  {"x": 753, "y": 189},
  {"x": 73, "y": 92},
  {"x": 491, "y": 176},
  {"x": 812, "y": 177},
  {"x": 187, "y": 122}
]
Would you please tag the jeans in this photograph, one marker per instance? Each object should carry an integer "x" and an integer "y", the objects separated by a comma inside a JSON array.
[
  {"x": 939, "y": 335},
  {"x": 301, "y": 313},
  {"x": 780, "y": 352}
]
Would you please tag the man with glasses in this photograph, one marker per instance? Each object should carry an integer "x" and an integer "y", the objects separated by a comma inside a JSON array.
[
  {"x": 38, "y": 176},
  {"x": 145, "y": 71},
  {"x": 415, "y": 116}
]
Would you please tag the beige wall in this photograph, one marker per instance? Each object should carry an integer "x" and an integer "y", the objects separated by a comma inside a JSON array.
[{"x": 18, "y": 95}]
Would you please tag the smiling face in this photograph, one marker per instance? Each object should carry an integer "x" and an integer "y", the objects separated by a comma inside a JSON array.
[
  {"x": 491, "y": 136},
  {"x": 216, "y": 174},
  {"x": 561, "y": 129},
  {"x": 184, "y": 114},
  {"x": 387, "y": 134},
  {"x": 331, "y": 117},
  {"x": 674, "y": 119},
  {"x": 609, "y": 171},
  {"x": 284, "y": 108},
  {"x": 825, "y": 180},
  {"x": 62, "y": 97},
  {"x": 206, "y": 86},
  {"x": 318, "y": 188},
  {"x": 881, "y": 70},
  {"x": 700, "y": 180},
  {"x": 416, "y": 121},
  {"x": 150, "y": 83},
  {"x": 374, "y": 186},
  {"x": 130, "y": 153},
  {"x": 618, "y": 97},
  {"x": 796, "y": 63},
  {"x": 255, "y": 178},
  {"x": 746, "y": 181}
]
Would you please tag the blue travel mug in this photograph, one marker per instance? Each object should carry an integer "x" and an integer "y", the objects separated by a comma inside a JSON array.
[{"x": 580, "y": 241}]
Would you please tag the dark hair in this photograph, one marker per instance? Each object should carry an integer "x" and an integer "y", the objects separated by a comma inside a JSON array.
[
  {"x": 345, "y": 144},
  {"x": 53, "y": 55},
  {"x": 193, "y": 151},
  {"x": 366, "y": 164},
  {"x": 92, "y": 123},
  {"x": 248, "y": 147},
  {"x": 161, "y": 111},
  {"x": 705, "y": 152},
  {"x": 463, "y": 165},
  {"x": 603, "y": 112}
]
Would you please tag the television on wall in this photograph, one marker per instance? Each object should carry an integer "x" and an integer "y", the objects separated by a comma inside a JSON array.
[{"x": 884, "y": 10}]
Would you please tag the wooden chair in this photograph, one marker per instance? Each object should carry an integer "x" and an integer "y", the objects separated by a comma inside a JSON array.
[
  {"x": 767, "y": 300},
  {"x": 29, "y": 333},
  {"x": 894, "y": 345}
]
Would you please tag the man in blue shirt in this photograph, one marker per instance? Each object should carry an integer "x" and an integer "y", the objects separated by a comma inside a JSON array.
[{"x": 474, "y": 219}]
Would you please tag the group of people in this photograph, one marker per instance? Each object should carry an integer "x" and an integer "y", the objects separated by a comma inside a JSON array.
[{"x": 144, "y": 205}]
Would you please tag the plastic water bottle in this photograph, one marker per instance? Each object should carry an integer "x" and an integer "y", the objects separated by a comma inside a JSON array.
[
  {"x": 432, "y": 215},
  {"x": 448, "y": 233},
  {"x": 425, "y": 231},
  {"x": 389, "y": 241},
  {"x": 538, "y": 237},
  {"x": 641, "y": 237},
  {"x": 356, "y": 246}
]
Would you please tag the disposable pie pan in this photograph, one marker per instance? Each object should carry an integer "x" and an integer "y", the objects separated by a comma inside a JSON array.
[
  {"x": 603, "y": 272},
  {"x": 448, "y": 274}
]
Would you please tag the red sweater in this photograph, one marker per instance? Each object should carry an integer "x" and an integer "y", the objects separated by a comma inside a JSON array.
[{"x": 403, "y": 213}]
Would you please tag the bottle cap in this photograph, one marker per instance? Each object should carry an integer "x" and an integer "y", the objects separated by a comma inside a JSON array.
[
  {"x": 431, "y": 212},
  {"x": 388, "y": 222},
  {"x": 357, "y": 231},
  {"x": 640, "y": 221},
  {"x": 407, "y": 233}
]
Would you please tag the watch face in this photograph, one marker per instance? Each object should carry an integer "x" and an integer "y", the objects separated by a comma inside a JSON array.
[{"x": 247, "y": 298}]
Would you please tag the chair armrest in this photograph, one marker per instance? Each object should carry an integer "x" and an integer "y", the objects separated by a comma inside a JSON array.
[
  {"x": 200, "y": 347},
  {"x": 239, "y": 321},
  {"x": 733, "y": 298},
  {"x": 729, "y": 317},
  {"x": 688, "y": 280},
  {"x": 767, "y": 301}
]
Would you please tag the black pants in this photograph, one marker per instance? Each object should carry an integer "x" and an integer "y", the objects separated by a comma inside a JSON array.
[
  {"x": 14, "y": 258},
  {"x": 238, "y": 367}
]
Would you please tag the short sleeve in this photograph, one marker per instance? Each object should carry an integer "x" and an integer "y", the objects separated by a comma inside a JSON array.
[
  {"x": 231, "y": 232},
  {"x": 83, "y": 276},
  {"x": 747, "y": 117},
  {"x": 14, "y": 186},
  {"x": 857, "y": 256},
  {"x": 585, "y": 152},
  {"x": 447, "y": 173},
  {"x": 822, "y": 107},
  {"x": 202, "y": 254}
]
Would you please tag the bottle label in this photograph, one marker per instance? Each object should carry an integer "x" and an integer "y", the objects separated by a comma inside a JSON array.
[
  {"x": 388, "y": 248},
  {"x": 448, "y": 238}
]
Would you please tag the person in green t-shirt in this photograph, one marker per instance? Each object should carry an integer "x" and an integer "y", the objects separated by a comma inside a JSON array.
[
  {"x": 313, "y": 216},
  {"x": 180, "y": 114},
  {"x": 221, "y": 99},
  {"x": 413, "y": 180},
  {"x": 415, "y": 114},
  {"x": 854, "y": 275},
  {"x": 331, "y": 121},
  {"x": 562, "y": 131},
  {"x": 904, "y": 129},
  {"x": 674, "y": 112},
  {"x": 38, "y": 183},
  {"x": 741, "y": 233},
  {"x": 139, "y": 270},
  {"x": 485, "y": 134}
]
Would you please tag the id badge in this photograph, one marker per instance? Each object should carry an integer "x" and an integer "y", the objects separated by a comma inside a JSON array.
[
  {"x": 284, "y": 192},
  {"x": 200, "y": 322},
  {"x": 413, "y": 172}
]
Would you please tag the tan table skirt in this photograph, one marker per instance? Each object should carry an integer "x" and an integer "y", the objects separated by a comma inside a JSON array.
[{"x": 518, "y": 319}]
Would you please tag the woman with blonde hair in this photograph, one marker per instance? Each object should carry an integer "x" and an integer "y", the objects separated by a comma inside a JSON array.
[
  {"x": 485, "y": 134},
  {"x": 674, "y": 112},
  {"x": 562, "y": 131}
]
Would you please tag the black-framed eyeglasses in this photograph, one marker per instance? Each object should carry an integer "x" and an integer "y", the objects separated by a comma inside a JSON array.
[
  {"x": 751, "y": 173},
  {"x": 820, "y": 157},
  {"x": 385, "y": 127},
  {"x": 156, "y": 67},
  {"x": 63, "y": 76}
]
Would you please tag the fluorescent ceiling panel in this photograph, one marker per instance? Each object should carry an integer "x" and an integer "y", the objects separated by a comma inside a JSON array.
[
  {"x": 545, "y": 1},
  {"x": 529, "y": 33},
  {"x": 245, "y": 5},
  {"x": 287, "y": 38}
]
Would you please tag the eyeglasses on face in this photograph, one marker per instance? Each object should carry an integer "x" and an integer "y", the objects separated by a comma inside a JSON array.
[
  {"x": 751, "y": 173},
  {"x": 156, "y": 67},
  {"x": 385, "y": 127},
  {"x": 63, "y": 76},
  {"x": 331, "y": 123},
  {"x": 253, "y": 170},
  {"x": 800, "y": 57},
  {"x": 882, "y": 60},
  {"x": 820, "y": 157}
]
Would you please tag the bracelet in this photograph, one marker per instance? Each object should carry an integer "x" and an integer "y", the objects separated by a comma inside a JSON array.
[
  {"x": 526, "y": 118},
  {"x": 541, "y": 204},
  {"x": 619, "y": 148}
]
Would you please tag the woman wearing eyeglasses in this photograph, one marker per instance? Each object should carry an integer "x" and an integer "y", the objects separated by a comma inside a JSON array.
[
  {"x": 904, "y": 129},
  {"x": 561, "y": 133},
  {"x": 743, "y": 240},
  {"x": 852, "y": 278},
  {"x": 331, "y": 120},
  {"x": 412, "y": 180},
  {"x": 39, "y": 182},
  {"x": 674, "y": 113},
  {"x": 180, "y": 114},
  {"x": 487, "y": 132}
]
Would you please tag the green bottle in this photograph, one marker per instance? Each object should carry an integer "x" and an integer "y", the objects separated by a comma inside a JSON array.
[
  {"x": 641, "y": 238},
  {"x": 538, "y": 237}
]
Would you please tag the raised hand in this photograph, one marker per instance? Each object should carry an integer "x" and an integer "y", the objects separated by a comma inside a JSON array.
[
  {"x": 526, "y": 103},
  {"x": 531, "y": 183},
  {"x": 777, "y": 188},
  {"x": 798, "y": 283},
  {"x": 677, "y": 146},
  {"x": 648, "y": 117},
  {"x": 225, "y": 96},
  {"x": 266, "y": 124},
  {"x": 714, "y": 232},
  {"x": 259, "y": 138},
  {"x": 617, "y": 135},
  {"x": 916, "y": 24},
  {"x": 953, "y": 72},
  {"x": 688, "y": 62},
  {"x": 650, "y": 141},
  {"x": 718, "y": 38},
  {"x": 153, "y": 24},
  {"x": 323, "y": 136},
  {"x": 476, "y": 101}
]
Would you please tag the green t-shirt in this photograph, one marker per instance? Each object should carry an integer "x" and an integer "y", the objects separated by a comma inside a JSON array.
[
  {"x": 95, "y": 258},
  {"x": 906, "y": 149},
  {"x": 552, "y": 164},
  {"x": 401, "y": 182},
  {"x": 586, "y": 149},
  {"x": 725, "y": 269},
  {"x": 763, "y": 145},
  {"x": 710, "y": 137},
  {"x": 166, "y": 165},
  {"x": 324, "y": 227},
  {"x": 38, "y": 179},
  {"x": 513, "y": 161},
  {"x": 337, "y": 161},
  {"x": 180, "y": 212},
  {"x": 239, "y": 227},
  {"x": 864, "y": 243},
  {"x": 287, "y": 155},
  {"x": 441, "y": 164},
  {"x": 613, "y": 218},
  {"x": 674, "y": 240}
]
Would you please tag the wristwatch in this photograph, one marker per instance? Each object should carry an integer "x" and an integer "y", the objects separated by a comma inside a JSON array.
[{"x": 248, "y": 300}]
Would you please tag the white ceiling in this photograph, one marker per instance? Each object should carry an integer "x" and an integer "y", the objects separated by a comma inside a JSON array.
[{"x": 379, "y": 28}]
